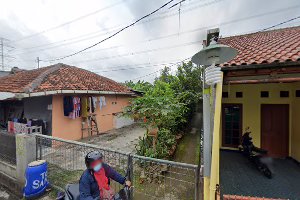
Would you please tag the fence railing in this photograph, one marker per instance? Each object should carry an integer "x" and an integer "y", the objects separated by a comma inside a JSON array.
[
  {"x": 8, "y": 148},
  {"x": 151, "y": 178}
]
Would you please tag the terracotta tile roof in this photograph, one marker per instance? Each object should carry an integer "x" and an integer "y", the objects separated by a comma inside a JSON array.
[
  {"x": 281, "y": 45},
  {"x": 234, "y": 197},
  {"x": 58, "y": 77}
]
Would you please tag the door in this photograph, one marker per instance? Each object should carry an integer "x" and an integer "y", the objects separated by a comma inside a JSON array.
[
  {"x": 275, "y": 129},
  {"x": 231, "y": 124}
]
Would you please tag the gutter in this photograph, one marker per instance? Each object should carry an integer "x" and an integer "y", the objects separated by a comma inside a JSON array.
[
  {"x": 55, "y": 92},
  {"x": 261, "y": 66}
]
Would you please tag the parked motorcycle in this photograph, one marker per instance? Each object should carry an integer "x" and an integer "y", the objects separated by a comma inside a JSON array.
[{"x": 254, "y": 154}]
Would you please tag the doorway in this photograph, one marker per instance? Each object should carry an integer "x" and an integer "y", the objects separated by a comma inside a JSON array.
[
  {"x": 275, "y": 129},
  {"x": 231, "y": 124}
]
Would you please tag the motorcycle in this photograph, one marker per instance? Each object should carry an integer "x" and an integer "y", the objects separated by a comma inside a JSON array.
[
  {"x": 254, "y": 154},
  {"x": 72, "y": 193}
]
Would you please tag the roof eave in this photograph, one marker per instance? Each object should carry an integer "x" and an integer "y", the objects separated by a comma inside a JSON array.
[
  {"x": 20, "y": 95},
  {"x": 261, "y": 66}
]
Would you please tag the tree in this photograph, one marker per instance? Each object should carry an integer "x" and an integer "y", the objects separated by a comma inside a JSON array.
[
  {"x": 166, "y": 76},
  {"x": 158, "y": 106},
  {"x": 167, "y": 104},
  {"x": 140, "y": 86}
]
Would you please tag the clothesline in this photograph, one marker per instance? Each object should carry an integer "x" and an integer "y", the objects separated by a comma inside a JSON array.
[{"x": 75, "y": 107}]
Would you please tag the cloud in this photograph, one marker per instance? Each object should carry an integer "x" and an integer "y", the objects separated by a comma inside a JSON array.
[{"x": 31, "y": 18}]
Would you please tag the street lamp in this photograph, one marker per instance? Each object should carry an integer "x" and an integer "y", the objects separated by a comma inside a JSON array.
[{"x": 210, "y": 56}]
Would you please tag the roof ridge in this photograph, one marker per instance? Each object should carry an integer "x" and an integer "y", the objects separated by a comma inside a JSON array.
[
  {"x": 38, "y": 81},
  {"x": 104, "y": 77}
]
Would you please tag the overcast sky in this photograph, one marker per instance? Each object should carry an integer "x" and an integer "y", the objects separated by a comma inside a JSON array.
[{"x": 50, "y": 29}]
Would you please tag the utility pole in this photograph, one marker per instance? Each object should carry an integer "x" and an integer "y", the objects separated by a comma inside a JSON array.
[
  {"x": 2, "y": 54},
  {"x": 38, "y": 62},
  {"x": 5, "y": 49}
]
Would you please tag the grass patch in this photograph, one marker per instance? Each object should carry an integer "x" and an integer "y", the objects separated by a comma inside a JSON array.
[
  {"x": 198, "y": 149},
  {"x": 188, "y": 149},
  {"x": 60, "y": 177}
]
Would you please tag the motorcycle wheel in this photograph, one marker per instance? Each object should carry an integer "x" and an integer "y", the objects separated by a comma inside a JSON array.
[{"x": 266, "y": 171}]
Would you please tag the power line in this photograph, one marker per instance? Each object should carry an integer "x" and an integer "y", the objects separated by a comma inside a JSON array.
[
  {"x": 69, "y": 22},
  {"x": 190, "y": 31},
  {"x": 139, "y": 52},
  {"x": 177, "y": 4},
  {"x": 262, "y": 30},
  {"x": 141, "y": 67},
  {"x": 172, "y": 35},
  {"x": 126, "y": 27},
  {"x": 110, "y": 30},
  {"x": 193, "y": 8},
  {"x": 113, "y": 30},
  {"x": 140, "y": 64},
  {"x": 281, "y": 23},
  {"x": 189, "y": 58},
  {"x": 159, "y": 69}
]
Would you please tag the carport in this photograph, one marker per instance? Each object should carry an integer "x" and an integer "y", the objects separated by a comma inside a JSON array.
[{"x": 239, "y": 176}]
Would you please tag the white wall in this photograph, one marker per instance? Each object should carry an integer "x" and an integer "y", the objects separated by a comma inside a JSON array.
[{"x": 120, "y": 121}]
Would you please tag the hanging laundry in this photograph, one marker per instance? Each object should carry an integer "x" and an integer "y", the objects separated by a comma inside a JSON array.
[
  {"x": 94, "y": 102},
  {"x": 68, "y": 105},
  {"x": 102, "y": 102},
  {"x": 84, "y": 107},
  {"x": 91, "y": 105},
  {"x": 72, "y": 114},
  {"x": 77, "y": 107}
]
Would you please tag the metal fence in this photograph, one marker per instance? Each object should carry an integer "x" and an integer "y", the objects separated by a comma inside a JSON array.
[
  {"x": 151, "y": 178},
  {"x": 8, "y": 148}
]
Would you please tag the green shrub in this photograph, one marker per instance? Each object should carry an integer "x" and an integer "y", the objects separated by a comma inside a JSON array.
[{"x": 165, "y": 141}]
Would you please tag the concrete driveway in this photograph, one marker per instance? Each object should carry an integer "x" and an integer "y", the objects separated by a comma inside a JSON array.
[{"x": 124, "y": 139}]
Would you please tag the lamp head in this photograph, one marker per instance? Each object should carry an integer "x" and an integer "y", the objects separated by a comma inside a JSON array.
[{"x": 214, "y": 54}]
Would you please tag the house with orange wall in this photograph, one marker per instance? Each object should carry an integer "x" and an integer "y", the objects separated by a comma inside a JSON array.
[{"x": 39, "y": 95}]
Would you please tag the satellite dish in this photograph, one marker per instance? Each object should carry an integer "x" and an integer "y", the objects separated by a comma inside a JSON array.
[{"x": 214, "y": 54}]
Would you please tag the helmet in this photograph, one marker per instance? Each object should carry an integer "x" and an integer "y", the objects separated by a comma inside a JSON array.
[{"x": 91, "y": 157}]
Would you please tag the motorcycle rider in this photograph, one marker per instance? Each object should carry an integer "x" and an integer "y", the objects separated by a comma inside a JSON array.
[{"x": 94, "y": 183}]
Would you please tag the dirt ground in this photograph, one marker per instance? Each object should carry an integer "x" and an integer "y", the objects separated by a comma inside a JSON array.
[
  {"x": 188, "y": 149},
  {"x": 123, "y": 139}
]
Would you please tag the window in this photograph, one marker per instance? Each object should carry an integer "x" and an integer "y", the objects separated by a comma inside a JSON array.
[
  {"x": 297, "y": 93},
  {"x": 284, "y": 93},
  {"x": 239, "y": 94},
  {"x": 225, "y": 94},
  {"x": 264, "y": 94},
  {"x": 231, "y": 124}
]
